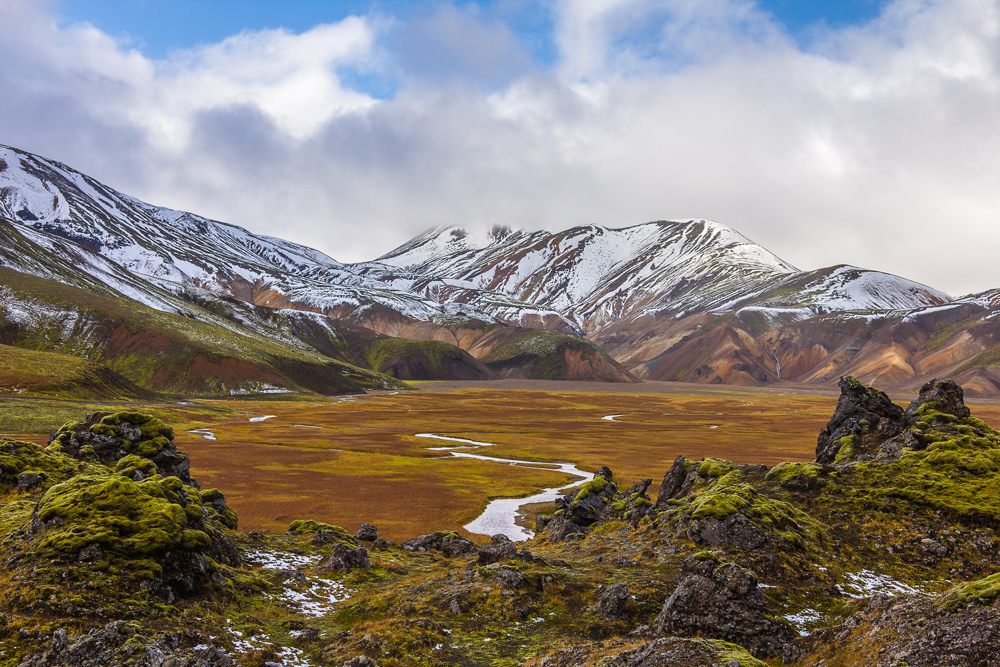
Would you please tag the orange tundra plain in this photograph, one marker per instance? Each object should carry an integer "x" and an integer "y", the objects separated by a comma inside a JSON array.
[{"x": 352, "y": 460}]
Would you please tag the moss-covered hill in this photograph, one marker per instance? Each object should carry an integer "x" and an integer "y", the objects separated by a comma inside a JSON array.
[
  {"x": 552, "y": 355},
  {"x": 885, "y": 554},
  {"x": 33, "y": 373},
  {"x": 162, "y": 351},
  {"x": 422, "y": 360}
]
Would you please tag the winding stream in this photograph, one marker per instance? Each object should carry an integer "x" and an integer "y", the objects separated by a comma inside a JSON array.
[{"x": 500, "y": 515}]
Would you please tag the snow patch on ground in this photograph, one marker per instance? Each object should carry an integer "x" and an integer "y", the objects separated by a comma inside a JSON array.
[{"x": 867, "y": 583}]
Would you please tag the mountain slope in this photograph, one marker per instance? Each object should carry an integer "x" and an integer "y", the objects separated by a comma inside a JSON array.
[
  {"x": 51, "y": 202},
  {"x": 681, "y": 300},
  {"x": 163, "y": 351},
  {"x": 594, "y": 275}
]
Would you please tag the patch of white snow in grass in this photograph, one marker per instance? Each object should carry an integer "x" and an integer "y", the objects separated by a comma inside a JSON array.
[{"x": 866, "y": 583}]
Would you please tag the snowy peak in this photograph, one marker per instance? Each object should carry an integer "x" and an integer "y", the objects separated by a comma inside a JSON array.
[
  {"x": 447, "y": 240},
  {"x": 595, "y": 274}
]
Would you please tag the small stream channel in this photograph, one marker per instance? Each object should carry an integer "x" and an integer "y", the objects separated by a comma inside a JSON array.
[{"x": 501, "y": 514}]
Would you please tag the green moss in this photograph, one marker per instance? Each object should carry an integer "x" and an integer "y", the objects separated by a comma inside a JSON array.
[
  {"x": 129, "y": 465},
  {"x": 845, "y": 451},
  {"x": 983, "y": 591},
  {"x": 706, "y": 555},
  {"x": 310, "y": 527},
  {"x": 18, "y": 457},
  {"x": 218, "y": 511},
  {"x": 769, "y": 515},
  {"x": 594, "y": 486},
  {"x": 123, "y": 517},
  {"x": 712, "y": 467},
  {"x": 958, "y": 472},
  {"x": 15, "y": 514},
  {"x": 728, "y": 652},
  {"x": 788, "y": 470},
  {"x": 307, "y": 526}
]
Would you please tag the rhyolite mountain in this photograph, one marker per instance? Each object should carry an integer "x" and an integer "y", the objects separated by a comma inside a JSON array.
[{"x": 691, "y": 301}]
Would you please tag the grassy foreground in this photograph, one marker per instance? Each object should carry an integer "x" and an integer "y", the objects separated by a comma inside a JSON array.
[
  {"x": 113, "y": 555},
  {"x": 355, "y": 459}
]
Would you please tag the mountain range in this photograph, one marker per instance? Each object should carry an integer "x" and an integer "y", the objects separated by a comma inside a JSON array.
[{"x": 160, "y": 300}]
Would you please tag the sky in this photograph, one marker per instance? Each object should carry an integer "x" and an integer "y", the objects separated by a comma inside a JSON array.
[{"x": 860, "y": 131}]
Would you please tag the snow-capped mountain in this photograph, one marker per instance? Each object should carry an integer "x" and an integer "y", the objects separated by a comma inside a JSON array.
[
  {"x": 595, "y": 276},
  {"x": 163, "y": 249},
  {"x": 691, "y": 300}
]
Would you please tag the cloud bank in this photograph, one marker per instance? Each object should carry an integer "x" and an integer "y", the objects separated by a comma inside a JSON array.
[{"x": 876, "y": 145}]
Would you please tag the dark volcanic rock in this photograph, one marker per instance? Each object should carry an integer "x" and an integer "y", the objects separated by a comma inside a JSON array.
[
  {"x": 941, "y": 395},
  {"x": 581, "y": 508},
  {"x": 366, "y": 533},
  {"x": 510, "y": 579},
  {"x": 673, "y": 481},
  {"x": 722, "y": 601},
  {"x": 864, "y": 418},
  {"x": 119, "y": 643},
  {"x": 346, "y": 558},
  {"x": 500, "y": 548},
  {"x": 449, "y": 543},
  {"x": 125, "y": 441},
  {"x": 612, "y": 602},
  {"x": 585, "y": 506},
  {"x": 360, "y": 661},
  {"x": 734, "y": 530},
  {"x": 915, "y": 631}
]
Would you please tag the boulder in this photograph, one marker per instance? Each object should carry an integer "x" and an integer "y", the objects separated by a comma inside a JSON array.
[
  {"x": 612, "y": 602},
  {"x": 360, "y": 661},
  {"x": 941, "y": 395},
  {"x": 345, "y": 558},
  {"x": 722, "y": 601},
  {"x": 112, "y": 438},
  {"x": 510, "y": 579},
  {"x": 500, "y": 548},
  {"x": 448, "y": 542},
  {"x": 865, "y": 417},
  {"x": 631, "y": 504},
  {"x": 584, "y": 506},
  {"x": 366, "y": 533}
]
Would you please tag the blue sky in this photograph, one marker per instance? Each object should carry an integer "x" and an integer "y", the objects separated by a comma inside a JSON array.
[
  {"x": 829, "y": 132},
  {"x": 158, "y": 27}
]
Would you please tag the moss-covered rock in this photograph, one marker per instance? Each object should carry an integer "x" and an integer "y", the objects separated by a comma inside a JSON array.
[
  {"x": 740, "y": 515},
  {"x": 25, "y": 464},
  {"x": 982, "y": 591},
  {"x": 108, "y": 438},
  {"x": 109, "y": 519},
  {"x": 865, "y": 417},
  {"x": 321, "y": 532}
]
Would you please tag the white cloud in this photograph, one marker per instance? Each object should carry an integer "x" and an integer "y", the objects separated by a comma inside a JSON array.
[{"x": 876, "y": 145}]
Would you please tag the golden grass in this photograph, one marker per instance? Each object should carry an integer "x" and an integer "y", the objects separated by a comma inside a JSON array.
[
  {"x": 282, "y": 468},
  {"x": 363, "y": 463}
]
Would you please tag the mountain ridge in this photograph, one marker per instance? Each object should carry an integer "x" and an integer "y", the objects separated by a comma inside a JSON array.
[{"x": 651, "y": 295}]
